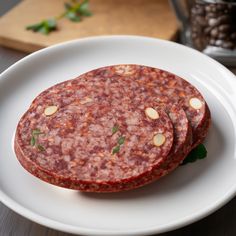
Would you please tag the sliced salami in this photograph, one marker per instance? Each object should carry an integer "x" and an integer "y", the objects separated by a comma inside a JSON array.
[
  {"x": 111, "y": 129},
  {"x": 171, "y": 89},
  {"x": 91, "y": 141},
  {"x": 182, "y": 141}
]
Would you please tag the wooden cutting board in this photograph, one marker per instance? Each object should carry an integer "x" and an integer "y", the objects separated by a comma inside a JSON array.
[{"x": 152, "y": 18}]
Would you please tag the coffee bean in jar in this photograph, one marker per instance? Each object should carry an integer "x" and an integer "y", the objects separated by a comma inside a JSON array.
[{"x": 213, "y": 23}]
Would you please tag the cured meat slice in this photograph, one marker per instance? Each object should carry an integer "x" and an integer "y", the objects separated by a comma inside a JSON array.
[
  {"x": 181, "y": 146},
  {"x": 108, "y": 130},
  {"x": 87, "y": 140},
  {"x": 182, "y": 141},
  {"x": 170, "y": 89},
  {"x": 167, "y": 88},
  {"x": 138, "y": 81}
]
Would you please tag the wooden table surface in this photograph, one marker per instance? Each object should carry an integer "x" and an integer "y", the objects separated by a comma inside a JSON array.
[
  {"x": 220, "y": 223},
  {"x": 14, "y": 35}
]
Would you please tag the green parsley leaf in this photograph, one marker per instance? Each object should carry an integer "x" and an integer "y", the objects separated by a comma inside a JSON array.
[
  {"x": 115, "y": 129},
  {"x": 32, "y": 141},
  {"x": 44, "y": 27},
  {"x": 198, "y": 152},
  {"x": 34, "y": 27},
  {"x": 51, "y": 23},
  {"x": 73, "y": 16},
  {"x": 44, "y": 30},
  {"x": 84, "y": 5},
  {"x": 121, "y": 140},
  {"x": 116, "y": 149},
  {"x": 76, "y": 10},
  {"x": 84, "y": 8}
]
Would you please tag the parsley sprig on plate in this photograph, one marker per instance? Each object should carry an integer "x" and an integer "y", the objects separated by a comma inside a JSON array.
[
  {"x": 198, "y": 152},
  {"x": 75, "y": 10}
]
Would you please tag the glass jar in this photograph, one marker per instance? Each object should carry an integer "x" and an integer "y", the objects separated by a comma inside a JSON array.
[{"x": 209, "y": 26}]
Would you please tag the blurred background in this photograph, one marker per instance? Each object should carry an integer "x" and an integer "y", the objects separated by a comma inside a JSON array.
[{"x": 206, "y": 25}]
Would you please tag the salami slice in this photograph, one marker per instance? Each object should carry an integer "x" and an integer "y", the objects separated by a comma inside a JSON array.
[
  {"x": 173, "y": 89},
  {"x": 167, "y": 88},
  {"x": 182, "y": 141},
  {"x": 180, "y": 148},
  {"x": 111, "y": 129},
  {"x": 86, "y": 134}
]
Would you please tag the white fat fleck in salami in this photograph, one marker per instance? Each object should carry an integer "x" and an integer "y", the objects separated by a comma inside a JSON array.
[
  {"x": 50, "y": 110},
  {"x": 195, "y": 103},
  {"x": 159, "y": 139},
  {"x": 151, "y": 113}
]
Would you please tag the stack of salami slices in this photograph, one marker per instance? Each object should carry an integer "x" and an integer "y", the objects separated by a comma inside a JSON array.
[{"x": 111, "y": 129}]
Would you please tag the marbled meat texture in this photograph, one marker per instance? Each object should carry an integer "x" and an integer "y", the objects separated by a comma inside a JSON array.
[{"x": 99, "y": 133}]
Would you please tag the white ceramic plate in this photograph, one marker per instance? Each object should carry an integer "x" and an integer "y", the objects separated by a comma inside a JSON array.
[{"x": 188, "y": 194}]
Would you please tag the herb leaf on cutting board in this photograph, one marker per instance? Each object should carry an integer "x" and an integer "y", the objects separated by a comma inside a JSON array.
[
  {"x": 44, "y": 27},
  {"x": 75, "y": 10}
]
